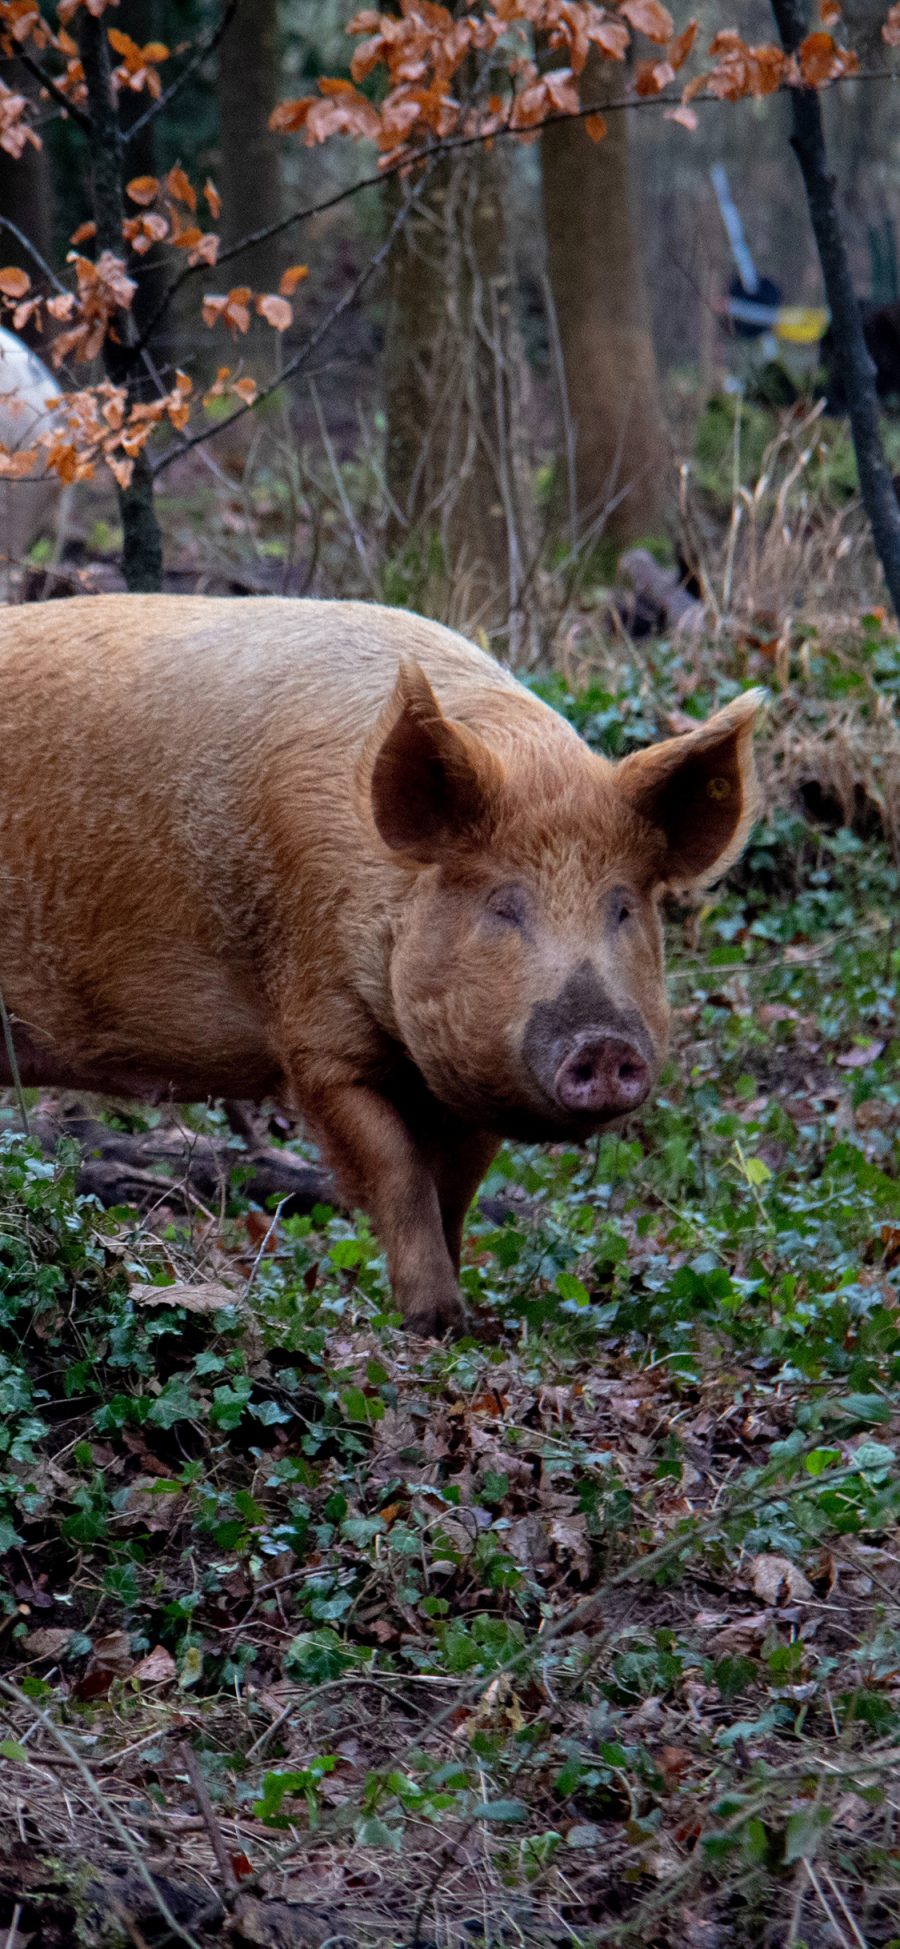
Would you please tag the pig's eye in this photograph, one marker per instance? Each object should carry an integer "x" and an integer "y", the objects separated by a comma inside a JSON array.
[
  {"x": 620, "y": 906},
  {"x": 510, "y": 905}
]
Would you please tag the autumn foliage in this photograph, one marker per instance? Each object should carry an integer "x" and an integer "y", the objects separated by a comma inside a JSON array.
[
  {"x": 419, "y": 76},
  {"x": 420, "y": 56}
]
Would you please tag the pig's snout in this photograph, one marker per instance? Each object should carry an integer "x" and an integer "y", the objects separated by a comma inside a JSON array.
[{"x": 601, "y": 1075}]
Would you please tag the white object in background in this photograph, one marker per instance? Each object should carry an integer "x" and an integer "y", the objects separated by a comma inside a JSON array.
[
  {"x": 740, "y": 250},
  {"x": 734, "y": 230},
  {"x": 33, "y": 505}
]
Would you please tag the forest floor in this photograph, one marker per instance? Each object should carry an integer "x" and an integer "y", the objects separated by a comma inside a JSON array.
[{"x": 584, "y": 1629}]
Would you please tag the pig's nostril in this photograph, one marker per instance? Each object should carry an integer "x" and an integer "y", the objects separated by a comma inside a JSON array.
[{"x": 603, "y": 1075}]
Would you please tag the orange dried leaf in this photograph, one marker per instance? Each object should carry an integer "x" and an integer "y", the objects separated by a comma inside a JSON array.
[
  {"x": 610, "y": 36},
  {"x": 651, "y": 77},
  {"x": 143, "y": 231},
  {"x": 648, "y": 17},
  {"x": 84, "y": 233},
  {"x": 596, "y": 126},
  {"x": 17, "y": 462},
  {"x": 246, "y": 390},
  {"x": 14, "y": 282},
  {"x": 829, "y": 12},
  {"x": 180, "y": 186},
  {"x": 741, "y": 70},
  {"x": 121, "y": 470},
  {"x": 143, "y": 189},
  {"x": 276, "y": 311},
  {"x": 292, "y": 115},
  {"x": 678, "y": 50},
  {"x": 213, "y": 199},
  {"x": 232, "y": 310},
  {"x": 207, "y": 250},
  {"x": 334, "y": 84},
  {"x": 821, "y": 60},
  {"x": 684, "y": 116},
  {"x": 290, "y": 279}
]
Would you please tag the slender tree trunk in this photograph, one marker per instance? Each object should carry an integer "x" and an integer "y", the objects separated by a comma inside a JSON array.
[
  {"x": 452, "y": 377},
  {"x": 603, "y": 314},
  {"x": 249, "y": 175},
  {"x": 851, "y": 359},
  {"x": 142, "y": 543}
]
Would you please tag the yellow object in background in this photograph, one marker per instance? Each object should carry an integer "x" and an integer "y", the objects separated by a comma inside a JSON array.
[{"x": 801, "y": 324}]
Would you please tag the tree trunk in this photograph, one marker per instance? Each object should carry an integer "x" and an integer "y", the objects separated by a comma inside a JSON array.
[
  {"x": 602, "y": 306},
  {"x": 852, "y": 363},
  {"x": 141, "y": 539},
  {"x": 452, "y": 379},
  {"x": 249, "y": 174}
]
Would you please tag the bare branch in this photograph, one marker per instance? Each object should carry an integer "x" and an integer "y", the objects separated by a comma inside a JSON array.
[
  {"x": 448, "y": 146},
  {"x": 53, "y": 88},
  {"x": 196, "y": 61},
  {"x": 306, "y": 351},
  {"x": 6, "y": 223}
]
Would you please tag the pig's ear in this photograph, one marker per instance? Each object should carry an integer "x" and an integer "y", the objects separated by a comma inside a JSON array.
[
  {"x": 699, "y": 792},
  {"x": 434, "y": 784}
]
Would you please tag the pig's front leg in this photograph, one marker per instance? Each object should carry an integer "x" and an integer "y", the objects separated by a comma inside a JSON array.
[
  {"x": 380, "y": 1167},
  {"x": 458, "y": 1163}
]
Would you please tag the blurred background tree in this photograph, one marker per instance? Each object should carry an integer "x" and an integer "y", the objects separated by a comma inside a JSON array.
[{"x": 507, "y": 392}]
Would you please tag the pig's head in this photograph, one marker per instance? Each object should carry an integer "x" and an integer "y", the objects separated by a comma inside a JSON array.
[{"x": 527, "y": 979}]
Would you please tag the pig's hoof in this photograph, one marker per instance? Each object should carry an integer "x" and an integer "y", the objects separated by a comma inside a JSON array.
[{"x": 435, "y": 1318}]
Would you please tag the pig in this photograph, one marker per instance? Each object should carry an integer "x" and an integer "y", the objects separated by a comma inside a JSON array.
[{"x": 332, "y": 853}]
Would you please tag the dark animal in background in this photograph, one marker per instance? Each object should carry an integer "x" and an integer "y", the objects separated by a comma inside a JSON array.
[{"x": 881, "y": 326}]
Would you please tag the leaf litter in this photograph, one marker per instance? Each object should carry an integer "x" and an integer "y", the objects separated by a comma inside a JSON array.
[{"x": 582, "y": 1630}]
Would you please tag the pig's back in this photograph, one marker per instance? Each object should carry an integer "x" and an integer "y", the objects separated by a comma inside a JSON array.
[
  {"x": 171, "y": 759},
  {"x": 180, "y": 825},
  {"x": 200, "y": 653},
  {"x": 220, "y": 672}
]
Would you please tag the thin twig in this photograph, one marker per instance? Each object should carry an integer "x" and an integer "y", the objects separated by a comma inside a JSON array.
[
  {"x": 273, "y": 1226},
  {"x": 306, "y": 351},
  {"x": 341, "y": 490},
  {"x": 201, "y": 1795},
  {"x": 826, "y": 1905},
  {"x": 53, "y": 88},
  {"x": 565, "y": 407},
  {"x": 855, "y": 1931},
  {"x": 13, "y": 1929},
  {"x": 432, "y": 152},
  {"x": 196, "y": 61},
  {"x": 13, "y": 1061},
  {"x": 26, "y": 243}
]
